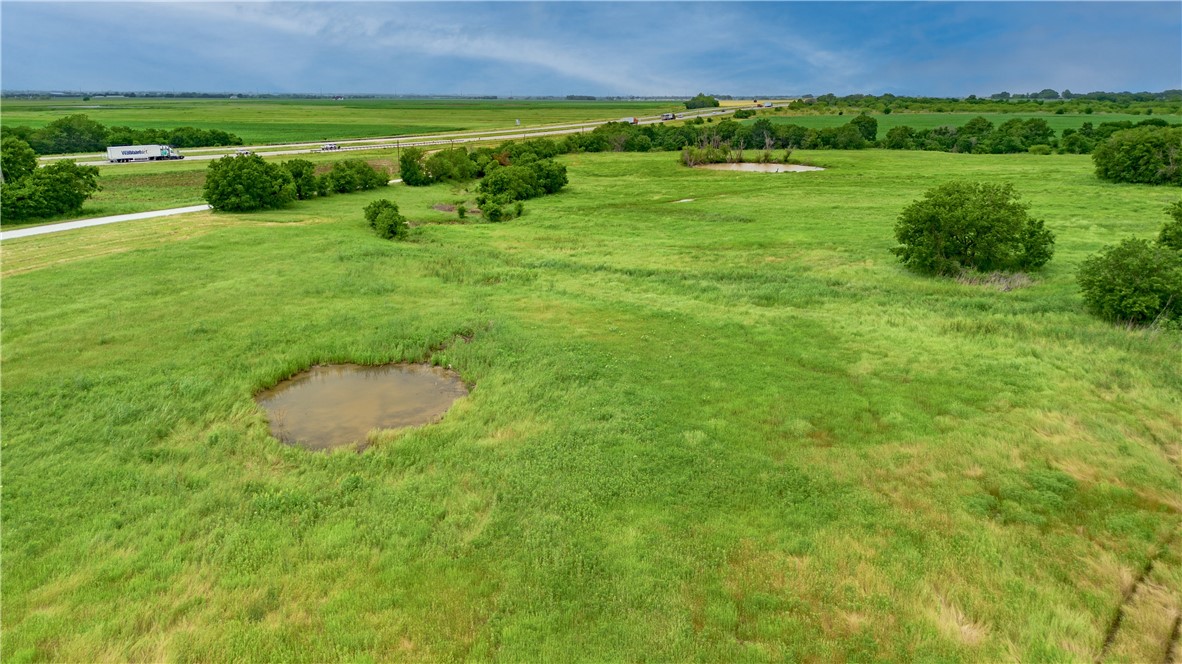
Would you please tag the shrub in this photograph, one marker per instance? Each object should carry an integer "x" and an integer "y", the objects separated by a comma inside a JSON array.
[
  {"x": 1147, "y": 155},
  {"x": 701, "y": 100},
  {"x": 1171, "y": 233},
  {"x": 303, "y": 176},
  {"x": 244, "y": 183},
  {"x": 17, "y": 159},
  {"x": 356, "y": 175},
  {"x": 551, "y": 175},
  {"x": 59, "y": 188},
  {"x": 973, "y": 226},
  {"x": 385, "y": 220},
  {"x": 453, "y": 164},
  {"x": 511, "y": 183},
  {"x": 411, "y": 169},
  {"x": 1135, "y": 281}
]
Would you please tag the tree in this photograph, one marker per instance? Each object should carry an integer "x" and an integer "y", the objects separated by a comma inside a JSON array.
[
  {"x": 900, "y": 138},
  {"x": 1135, "y": 281},
  {"x": 971, "y": 226},
  {"x": 385, "y": 220},
  {"x": 355, "y": 175},
  {"x": 410, "y": 167},
  {"x": 17, "y": 159},
  {"x": 1147, "y": 155},
  {"x": 1171, "y": 232},
  {"x": 867, "y": 126},
  {"x": 551, "y": 175},
  {"x": 511, "y": 183},
  {"x": 453, "y": 165},
  {"x": 245, "y": 183},
  {"x": 701, "y": 100},
  {"x": 57, "y": 189},
  {"x": 303, "y": 176},
  {"x": 73, "y": 133}
]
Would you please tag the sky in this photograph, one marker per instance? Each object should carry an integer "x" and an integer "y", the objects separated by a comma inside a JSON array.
[{"x": 591, "y": 48}]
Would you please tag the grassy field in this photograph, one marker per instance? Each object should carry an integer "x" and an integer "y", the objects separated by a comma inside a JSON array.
[
  {"x": 932, "y": 120},
  {"x": 728, "y": 429},
  {"x": 275, "y": 120}
]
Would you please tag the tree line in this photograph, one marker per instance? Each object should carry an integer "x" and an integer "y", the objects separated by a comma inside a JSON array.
[{"x": 78, "y": 133}]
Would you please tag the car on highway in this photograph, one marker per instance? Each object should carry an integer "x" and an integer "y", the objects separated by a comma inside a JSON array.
[{"x": 329, "y": 146}]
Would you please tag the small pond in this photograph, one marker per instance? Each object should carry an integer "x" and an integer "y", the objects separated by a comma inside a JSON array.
[{"x": 335, "y": 405}]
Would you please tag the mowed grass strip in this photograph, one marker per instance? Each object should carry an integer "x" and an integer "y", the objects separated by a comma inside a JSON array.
[{"x": 729, "y": 428}]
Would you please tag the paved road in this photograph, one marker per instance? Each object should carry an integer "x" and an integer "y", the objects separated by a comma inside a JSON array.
[
  {"x": 453, "y": 138},
  {"x": 97, "y": 221}
]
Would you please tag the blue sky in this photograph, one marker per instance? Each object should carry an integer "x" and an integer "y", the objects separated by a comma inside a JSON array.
[{"x": 596, "y": 48}]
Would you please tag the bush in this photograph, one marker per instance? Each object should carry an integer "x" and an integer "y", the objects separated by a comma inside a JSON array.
[
  {"x": 1171, "y": 233},
  {"x": 1136, "y": 281},
  {"x": 303, "y": 176},
  {"x": 701, "y": 100},
  {"x": 17, "y": 159},
  {"x": 453, "y": 165},
  {"x": 411, "y": 169},
  {"x": 245, "y": 183},
  {"x": 57, "y": 189},
  {"x": 383, "y": 217},
  {"x": 1147, "y": 155},
  {"x": 971, "y": 226},
  {"x": 511, "y": 183},
  {"x": 356, "y": 175}
]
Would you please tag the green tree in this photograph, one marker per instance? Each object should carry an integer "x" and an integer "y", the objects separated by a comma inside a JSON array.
[
  {"x": 900, "y": 138},
  {"x": 866, "y": 126},
  {"x": 245, "y": 183},
  {"x": 356, "y": 175},
  {"x": 1171, "y": 232},
  {"x": 450, "y": 165},
  {"x": 303, "y": 176},
  {"x": 1135, "y": 281},
  {"x": 411, "y": 169},
  {"x": 17, "y": 159},
  {"x": 59, "y": 188},
  {"x": 1146, "y": 155},
  {"x": 551, "y": 175},
  {"x": 73, "y": 133},
  {"x": 510, "y": 183},
  {"x": 701, "y": 100},
  {"x": 971, "y": 226}
]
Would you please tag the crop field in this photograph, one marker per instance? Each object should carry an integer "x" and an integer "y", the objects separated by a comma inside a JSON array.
[
  {"x": 279, "y": 120},
  {"x": 932, "y": 120},
  {"x": 711, "y": 418}
]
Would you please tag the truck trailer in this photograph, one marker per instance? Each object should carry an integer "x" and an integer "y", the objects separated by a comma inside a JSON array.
[{"x": 122, "y": 153}]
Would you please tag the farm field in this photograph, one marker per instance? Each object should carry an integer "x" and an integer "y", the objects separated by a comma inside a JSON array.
[
  {"x": 932, "y": 120},
  {"x": 711, "y": 418},
  {"x": 260, "y": 121}
]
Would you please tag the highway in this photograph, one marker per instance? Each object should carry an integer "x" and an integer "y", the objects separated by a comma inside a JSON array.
[{"x": 391, "y": 142}]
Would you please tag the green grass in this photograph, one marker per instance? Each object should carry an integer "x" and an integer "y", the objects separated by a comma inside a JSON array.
[
  {"x": 729, "y": 429},
  {"x": 932, "y": 120},
  {"x": 273, "y": 121}
]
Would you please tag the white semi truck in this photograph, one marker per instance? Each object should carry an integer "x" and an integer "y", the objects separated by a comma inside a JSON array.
[{"x": 122, "y": 153}]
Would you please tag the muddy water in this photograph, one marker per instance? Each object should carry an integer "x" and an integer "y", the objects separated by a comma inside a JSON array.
[
  {"x": 330, "y": 406},
  {"x": 761, "y": 168}
]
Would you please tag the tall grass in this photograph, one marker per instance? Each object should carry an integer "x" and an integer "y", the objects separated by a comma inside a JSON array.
[{"x": 725, "y": 429}]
